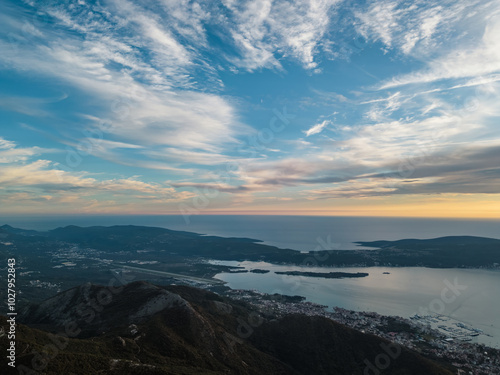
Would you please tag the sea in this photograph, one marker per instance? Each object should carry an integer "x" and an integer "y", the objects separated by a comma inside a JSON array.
[
  {"x": 302, "y": 233},
  {"x": 402, "y": 291}
]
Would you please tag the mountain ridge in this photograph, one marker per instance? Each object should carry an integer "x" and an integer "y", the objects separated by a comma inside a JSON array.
[
  {"x": 117, "y": 241},
  {"x": 202, "y": 334}
]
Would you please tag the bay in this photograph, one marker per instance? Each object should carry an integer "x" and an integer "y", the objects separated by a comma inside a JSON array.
[{"x": 404, "y": 292}]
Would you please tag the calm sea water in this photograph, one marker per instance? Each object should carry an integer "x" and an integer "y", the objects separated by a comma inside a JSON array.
[
  {"x": 403, "y": 292},
  {"x": 294, "y": 232}
]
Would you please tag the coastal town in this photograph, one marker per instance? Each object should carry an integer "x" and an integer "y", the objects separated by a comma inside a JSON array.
[{"x": 449, "y": 343}]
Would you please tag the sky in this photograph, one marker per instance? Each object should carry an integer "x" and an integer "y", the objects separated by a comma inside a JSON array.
[{"x": 311, "y": 107}]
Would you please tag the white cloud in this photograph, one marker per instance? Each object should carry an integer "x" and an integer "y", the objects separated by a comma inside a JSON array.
[
  {"x": 418, "y": 28},
  {"x": 28, "y": 105},
  {"x": 264, "y": 30},
  {"x": 5, "y": 144},
  {"x": 188, "y": 18},
  {"x": 474, "y": 60},
  {"x": 10, "y": 153},
  {"x": 43, "y": 178},
  {"x": 318, "y": 128},
  {"x": 150, "y": 102},
  {"x": 445, "y": 150},
  {"x": 451, "y": 39},
  {"x": 379, "y": 21}
]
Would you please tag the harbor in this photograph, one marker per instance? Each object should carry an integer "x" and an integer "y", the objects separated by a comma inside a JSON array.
[{"x": 451, "y": 328}]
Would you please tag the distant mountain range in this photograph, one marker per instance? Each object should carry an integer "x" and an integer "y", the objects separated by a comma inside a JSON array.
[
  {"x": 453, "y": 251},
  {"x": 445, "y": 252},
  {"x": 146, "y": 329}
]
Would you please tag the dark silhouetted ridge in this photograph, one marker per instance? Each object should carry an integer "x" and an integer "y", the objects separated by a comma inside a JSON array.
[{"x": 149, "y": 329}]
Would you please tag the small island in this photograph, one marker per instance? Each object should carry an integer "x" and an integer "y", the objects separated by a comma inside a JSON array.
[
  {"x": 326, "y": 275},
  {"x": 259, "y": 271}
]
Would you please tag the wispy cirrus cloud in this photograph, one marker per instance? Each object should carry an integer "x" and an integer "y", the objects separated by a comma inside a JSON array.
[
  {"x": 28, "y": 105},
  {"x": 473, "y": 61},
  {"x": 421, "y": 27},
  {"x": 318, "y": 128},
  {"x": 453, "y": 150},
  {"x": 151, "y": 99},
  {"x": 452, "y": 40},
  {"x": 266, "y": 30}
]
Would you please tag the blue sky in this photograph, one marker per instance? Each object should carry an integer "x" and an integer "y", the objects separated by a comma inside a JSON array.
[{"x": 304, "y": 107}]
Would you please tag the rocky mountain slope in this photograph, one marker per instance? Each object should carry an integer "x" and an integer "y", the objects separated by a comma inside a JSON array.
[{"x": 141, "y": 328}]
